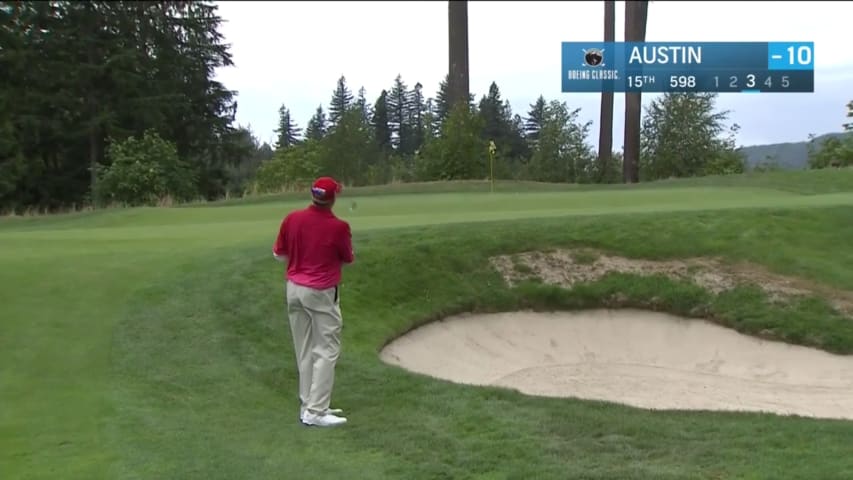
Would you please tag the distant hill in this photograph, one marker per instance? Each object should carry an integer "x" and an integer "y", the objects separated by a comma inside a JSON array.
[{"x": 788, "y": 156}]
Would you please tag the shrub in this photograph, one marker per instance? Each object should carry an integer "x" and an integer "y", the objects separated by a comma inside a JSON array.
[
  {"x": 292, "y": 168},
  {"x": 144, "y": 171}
]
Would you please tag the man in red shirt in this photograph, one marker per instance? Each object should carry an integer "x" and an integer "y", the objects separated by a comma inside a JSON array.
[{"x": 315, "y": 244}]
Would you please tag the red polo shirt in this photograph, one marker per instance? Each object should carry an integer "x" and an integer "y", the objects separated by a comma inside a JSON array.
[{"x": 317, "y": 244}]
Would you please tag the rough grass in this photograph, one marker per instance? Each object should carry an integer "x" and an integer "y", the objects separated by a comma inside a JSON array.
[{"x": 153, "y": 344}]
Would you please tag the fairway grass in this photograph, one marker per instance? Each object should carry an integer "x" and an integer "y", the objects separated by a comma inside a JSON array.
[{"x": 152, "y": 343}]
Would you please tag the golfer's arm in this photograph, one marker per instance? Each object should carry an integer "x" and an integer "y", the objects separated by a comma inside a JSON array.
[
  {"x": 278, "y": 248},
  {"x": 346, "y": 250}
]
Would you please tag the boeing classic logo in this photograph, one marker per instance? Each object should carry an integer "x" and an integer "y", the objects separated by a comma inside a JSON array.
[
  {"x": 594, "y": 57},
  {"x": 592, "y": 63}
]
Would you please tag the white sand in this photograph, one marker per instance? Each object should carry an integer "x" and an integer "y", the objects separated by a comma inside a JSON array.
[{"x": 638, "y": 358}]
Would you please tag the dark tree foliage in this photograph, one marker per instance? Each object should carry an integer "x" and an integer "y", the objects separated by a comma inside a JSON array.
[{"x": 75, "y": 74}]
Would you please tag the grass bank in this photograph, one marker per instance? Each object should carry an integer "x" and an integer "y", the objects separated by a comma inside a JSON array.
[{"x": 220, "y": 363}]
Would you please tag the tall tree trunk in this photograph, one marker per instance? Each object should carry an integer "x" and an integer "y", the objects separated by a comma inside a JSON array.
[
  {"x": 635, "y": 31},
  {"x": 458, "y": 78},
  {"x": 605, "y": 133}
]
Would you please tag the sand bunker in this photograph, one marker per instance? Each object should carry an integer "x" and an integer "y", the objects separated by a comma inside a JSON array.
[{"x": 638, "y": 358}]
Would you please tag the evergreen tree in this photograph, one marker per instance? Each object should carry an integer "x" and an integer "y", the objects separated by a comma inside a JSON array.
[
  {"x": 417, "y": 109},
  {"x": 535, "y": 119},
  {"x": 96, "y": 73},
  {"x": 318, "y": 125},
  {"x": 341, "y": 101},
  {"x": 349, "y": 150},
  {"x": 492, "y": 111},
  {"x": 441, "y": 101},
  {"x": 398, "y": 114},
  {"x": 381, "y": 129},
  {"x": 363, "y": 107},
  {"x": 430, "y": 126},
  {"x": 288, "y": 132}
]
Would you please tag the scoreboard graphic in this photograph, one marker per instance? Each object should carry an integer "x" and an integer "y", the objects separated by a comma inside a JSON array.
[{"x": 722, "y": 67}]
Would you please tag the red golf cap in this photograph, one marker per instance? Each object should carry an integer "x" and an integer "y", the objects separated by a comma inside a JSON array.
[{"x": 325, "y": 189}]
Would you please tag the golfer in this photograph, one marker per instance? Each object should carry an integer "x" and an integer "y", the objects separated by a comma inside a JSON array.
[{"x": 315, "y": 244}]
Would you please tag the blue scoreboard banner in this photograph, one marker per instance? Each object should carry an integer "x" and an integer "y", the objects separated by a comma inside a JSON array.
[{"x": 741, "y": 67}]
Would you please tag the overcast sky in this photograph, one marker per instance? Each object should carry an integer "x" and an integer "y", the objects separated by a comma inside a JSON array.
[{"x": 294, "y": 52}]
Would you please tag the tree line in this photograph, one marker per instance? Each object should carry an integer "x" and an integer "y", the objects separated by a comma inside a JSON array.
[
  {"x": 77, "y": 77},
  {"x": 405, "y": 136},
  {"x": 835, "y": 152},
  {"x": 116, "y": 102}
]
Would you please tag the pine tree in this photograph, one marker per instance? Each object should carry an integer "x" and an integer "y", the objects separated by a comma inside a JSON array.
[
  {"x": 288, "y": 132},
  {"x": 317, "y": 126},
  {"x": 441, "y": 101},
  {"x": 417, "y": 109},
  {"x": 493, "y": 111},
  {"x": 76, "y": 74},
  {"x": 398, "y": 109},
  {"x": 363, "y": 107},
  {"x": 441, "y": 108},
  {"x": 535, "y": 119},
  {"x": 430, "y": 124},
  {"x": 341, "y": 101},
  {"x": 382, "y": 131}
]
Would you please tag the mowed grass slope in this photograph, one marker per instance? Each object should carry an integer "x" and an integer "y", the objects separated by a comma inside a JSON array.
[{"x": 152, "y": 343}]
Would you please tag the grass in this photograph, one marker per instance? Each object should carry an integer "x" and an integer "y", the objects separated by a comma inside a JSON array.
[
  {"x": 804, "y": 182},
  {"x": 151, "y": 343}
]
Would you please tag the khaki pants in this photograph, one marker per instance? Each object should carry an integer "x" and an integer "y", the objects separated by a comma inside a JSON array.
[{"x": 315, "y": 322}]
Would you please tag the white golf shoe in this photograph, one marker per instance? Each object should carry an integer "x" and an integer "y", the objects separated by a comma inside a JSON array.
[
  {"x": 323, "y": 420},
  {"x": 333, "y": 411}
]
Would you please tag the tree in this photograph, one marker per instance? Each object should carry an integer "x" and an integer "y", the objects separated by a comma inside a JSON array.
[
  {"x": 288, "y": 132},
  {"x": 459, "y": 153},
  {"x": 143, "y": 171},
  {"x": 561, "y": 153},
  {"x": 635, "y": 31},
  {"x": 382, "y": 132},
  {"x": 341, "y": 102},
  {"x": 362, "y": 106},
  {"x": 417, "y": 110},
  {"x": 349, "y": 150},
  {"x": 683, "y": 136},
  {"x": 535, "y": 119},
  {"x": 833, "y": 152},
  {"x": 458, "y": 74},
  {"x": 441, "y": 103},
  {"x": 431, "y": 125},
  {"x": 605, "y": 132},
  {"x": 294, "y": 168},
  {"x": 76, "y": 74},
  {"x": 317, "y": 127},
  {"x": 399, "y": 101},
  {"x": 500, "y": 126},
  {"x": 247, "y": 155},
  {"x": 491, "y": 111},
  {"x": 519, "y": 148}
]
